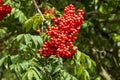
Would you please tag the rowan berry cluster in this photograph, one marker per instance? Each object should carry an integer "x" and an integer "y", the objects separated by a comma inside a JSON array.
[
  {"x": 4, "y": 9},
  {"x": 63, "y": 34}
]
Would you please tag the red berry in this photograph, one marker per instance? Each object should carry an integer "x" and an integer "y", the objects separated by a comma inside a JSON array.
[
  {"x": 4, "y": 9},
  {"x": 63, "y": 34}
]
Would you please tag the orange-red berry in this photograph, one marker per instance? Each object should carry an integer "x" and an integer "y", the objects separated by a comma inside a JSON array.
[
  {"x": 63, "y": 34},
  {"x": 4, "y": 9}
]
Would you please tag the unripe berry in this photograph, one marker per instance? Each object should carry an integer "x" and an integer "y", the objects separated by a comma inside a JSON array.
[{"x": 38, "y": 30}]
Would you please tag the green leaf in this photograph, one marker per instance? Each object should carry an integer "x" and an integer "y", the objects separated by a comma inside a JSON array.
[
  {"x": 2, "y": 61},
  {"x": 25, "y": 64},
  {"x": 23, "y": 47},
  {"x": 72, "y": 62},
  {"x": 86, "y": 75},
  {"x": 82, "y": 63},
  {"x": 37, "y": 72},
  {"x": 17, "y": 13},
  {"x": 28, "y": 25},
  {"x": 85, "y": 24},
  {"x": 7, "y": 62},
  {"x": 35, "y": 75},
  {"x": 48, "y": 68},
  {"x": 57, "y": 69},
  {"x": 20, "y": 15},
  {"x": 79, "y": 71},
  {"x": 41, "y": 69},
  {"x": 27, "y": 38},
  {"x": 19, "y": 37},
  {"x": 33, "y": 22},
  {"x": 101, "y": 9},
  {"x": 17, "y": 68},
  {"x": 30, "y": 75},
  {"x": 98, "y": 78},
  {"x": 67, "y": 76},
  {"x": 89, "y": 63},
  {"x": 37, "y": 21},
  {"x": 36, "y": 40},
  {"x": 22, "y": 18},
  {"x": 78, "y": 55}
]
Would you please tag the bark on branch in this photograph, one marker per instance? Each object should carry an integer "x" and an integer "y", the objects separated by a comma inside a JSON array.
[{"x": 37, "y": 8}]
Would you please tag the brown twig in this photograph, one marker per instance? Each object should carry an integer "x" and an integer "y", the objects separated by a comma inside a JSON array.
[
  {"x": 110, "y": 21},
  {"x": 100, "y": 13},
  {"x": 37, "y": 8}
]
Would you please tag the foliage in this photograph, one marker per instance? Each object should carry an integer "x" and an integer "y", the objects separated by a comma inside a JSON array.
[{"x": 98, "y": 42}]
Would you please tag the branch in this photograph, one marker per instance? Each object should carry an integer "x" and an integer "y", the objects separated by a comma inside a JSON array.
[
  {"x": 110, "y": 21},
  {"x": 105, "y": 74},
  {"x": 92, "y": 13},
  {"x": 99, "y": 13},
  {"x": 37, "y": 8},
  {"x": 100, "y": 68}
]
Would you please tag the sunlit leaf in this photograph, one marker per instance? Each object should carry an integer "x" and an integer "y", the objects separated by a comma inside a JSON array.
[{"x": 33, "y": 23}]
